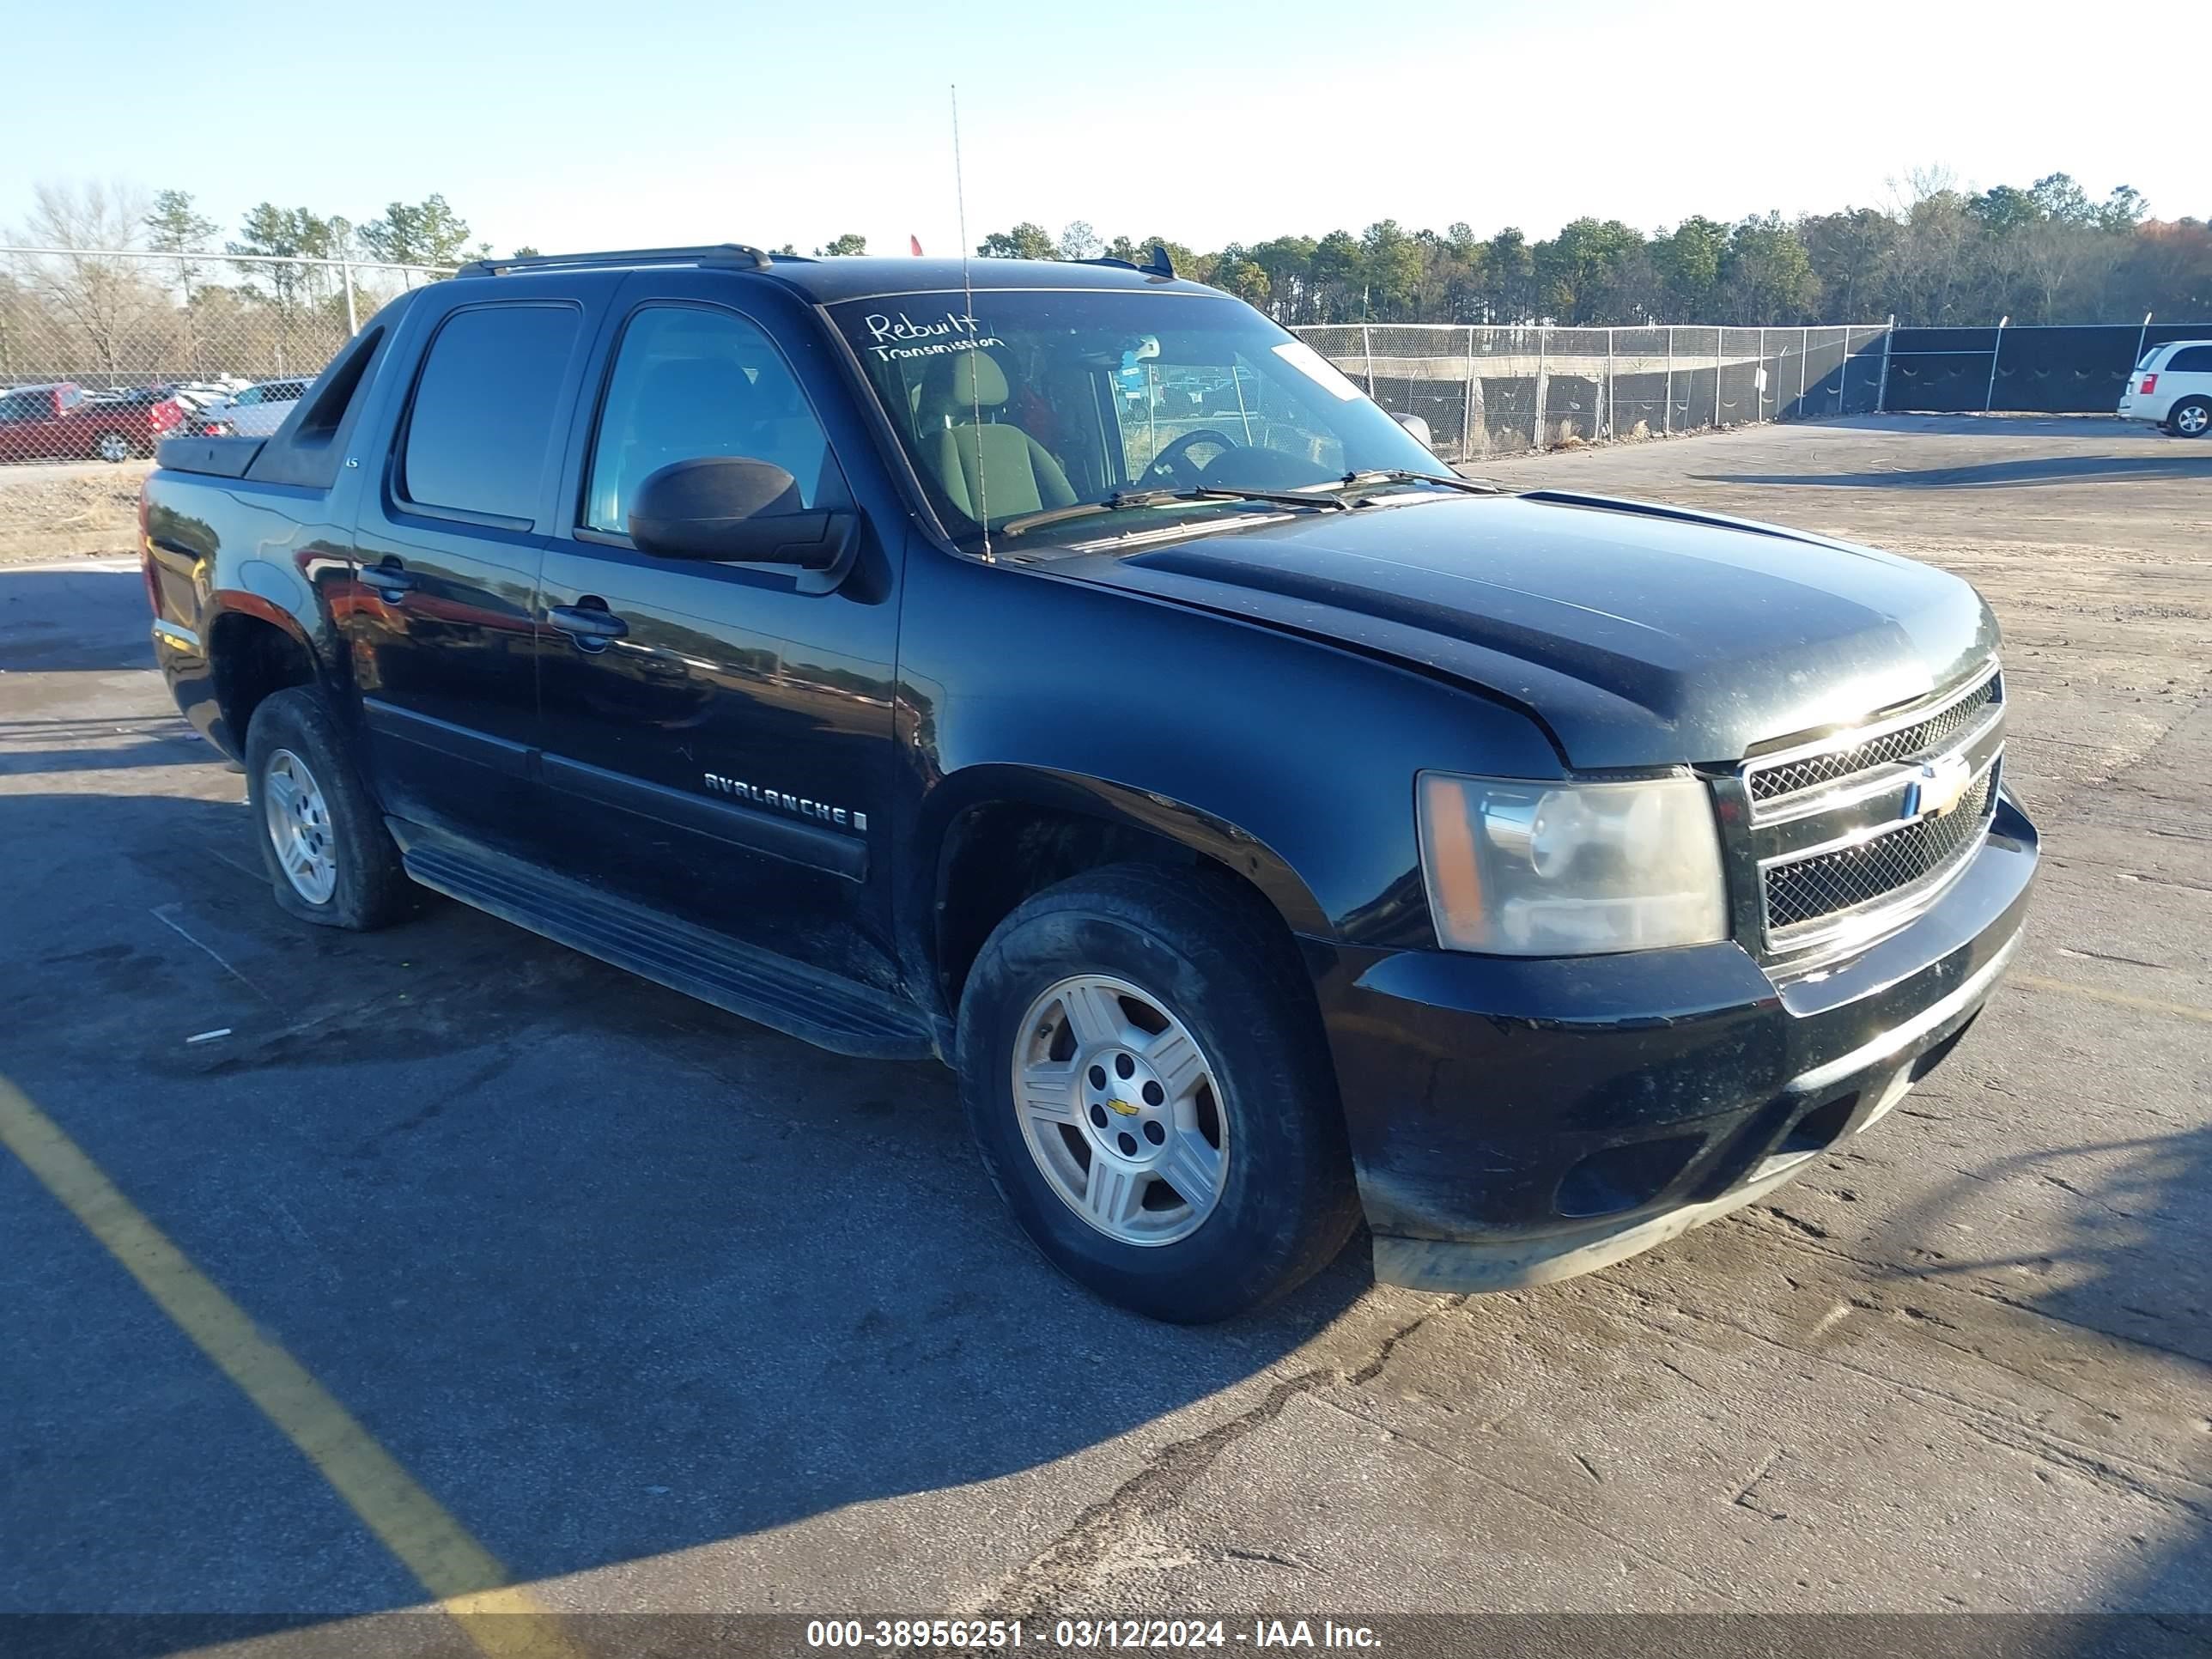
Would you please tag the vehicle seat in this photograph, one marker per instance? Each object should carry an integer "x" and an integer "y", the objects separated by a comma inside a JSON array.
[
  {"x": 687, "y": 407},
  {"x": 985, "y": 463}
]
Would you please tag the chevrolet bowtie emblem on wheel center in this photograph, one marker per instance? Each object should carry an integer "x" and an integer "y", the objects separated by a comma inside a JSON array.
[
  {"x": 1126, "y": 1109},
  {"x": 1940, "y": 786}
]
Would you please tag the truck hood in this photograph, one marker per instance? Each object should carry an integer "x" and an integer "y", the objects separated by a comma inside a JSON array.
[{"x": 1636, "y": 634}]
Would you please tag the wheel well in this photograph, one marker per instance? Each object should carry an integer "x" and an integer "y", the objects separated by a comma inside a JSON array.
[
  {"x": 251, "y": 659},
  {"x": 995, "y": 856}
]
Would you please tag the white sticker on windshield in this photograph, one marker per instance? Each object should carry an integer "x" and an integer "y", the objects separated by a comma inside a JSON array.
[
  {"x": 902, "y": 337},
  {"x": 1317, "y": 368}
]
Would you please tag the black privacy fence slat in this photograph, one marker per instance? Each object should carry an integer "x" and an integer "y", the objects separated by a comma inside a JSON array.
[
  {"x": 1487, "y": 389},
  {"x": 2062, "y": 370}
]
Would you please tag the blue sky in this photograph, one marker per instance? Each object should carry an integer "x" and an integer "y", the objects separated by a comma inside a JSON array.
[{"x": 568, "y": 125}]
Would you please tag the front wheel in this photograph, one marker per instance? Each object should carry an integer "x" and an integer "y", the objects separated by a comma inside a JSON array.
[
  {"x": 1144, "y": 1073},
  {"x": 2190, "y": 418},
  {"x": 111, "y": 447}
]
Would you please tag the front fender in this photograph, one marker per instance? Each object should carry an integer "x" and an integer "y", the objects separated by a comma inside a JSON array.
[{"x": 1287, "y": 759}]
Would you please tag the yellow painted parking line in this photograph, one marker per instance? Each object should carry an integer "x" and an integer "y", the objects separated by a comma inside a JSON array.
[
  {"x": 502, "y": 1621},
  {"x": 2118, "y": 999}
]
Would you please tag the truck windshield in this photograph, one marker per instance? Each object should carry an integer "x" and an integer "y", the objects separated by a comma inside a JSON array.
[{"x": 1017, "y": 403}]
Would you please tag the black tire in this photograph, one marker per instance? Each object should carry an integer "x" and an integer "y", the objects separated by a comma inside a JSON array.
[
  {"x": 371, "y": 889},
  {"x": 2200, "y": 408},
  {"x": 1210, "y": 951}
]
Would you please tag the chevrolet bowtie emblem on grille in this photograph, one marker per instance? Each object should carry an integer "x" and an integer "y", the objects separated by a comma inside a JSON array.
[{"x": 1940, "y": 786}]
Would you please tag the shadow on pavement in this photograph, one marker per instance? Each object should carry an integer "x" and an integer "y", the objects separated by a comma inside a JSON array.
[
  {"x": 2133, "y": 1271},
  {"x": 63, "y": 620},
  {"x": 1986, "y": 474},
  {"x": 612, "y": 1274}
]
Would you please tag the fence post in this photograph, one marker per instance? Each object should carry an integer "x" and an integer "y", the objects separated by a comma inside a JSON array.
[
  {"x": 1759, "y": 377},
  {"x": 1467, "y": 395},
  {"x": 1367, "y": 350},
  {"x": 1881, "y": 391},
  {"x": 2143, "y": 341},
  {"x": 1720, "y": 337},
  {"x": 1666, "y": 408},
  {"x": 353, "y": 322},
  {"x": 1990, "y": 398},
  {"x": 1606, "y": 430},
  {"x": 1804, "y": 356},
  {"x": 1543, "y": 377}
]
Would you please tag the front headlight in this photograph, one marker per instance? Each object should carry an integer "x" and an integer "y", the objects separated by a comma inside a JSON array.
[{"x": 1523, "y": 869}]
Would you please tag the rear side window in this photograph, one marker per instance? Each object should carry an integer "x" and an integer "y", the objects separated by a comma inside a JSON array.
[
  {"x": 485, "y": 408},
  {"x": 2191, "y": 360}
]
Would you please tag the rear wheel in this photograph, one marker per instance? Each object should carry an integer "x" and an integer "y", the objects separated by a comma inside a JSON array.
[
  {"x": 1144, "y": 1071},
  {"x": 111, "y": 447},
  {"x": 330, "y": 859},
  {"x": 2190, "y": 418}
]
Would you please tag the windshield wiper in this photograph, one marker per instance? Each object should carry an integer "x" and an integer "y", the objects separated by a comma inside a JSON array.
[
  {"x": 1407, "y": 475},
  {"x": 1126, "y": 498}
]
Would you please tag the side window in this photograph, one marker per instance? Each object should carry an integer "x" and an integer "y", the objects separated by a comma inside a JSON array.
[
  {"x": 687, "y": 382},
  {"x": 16, "y": 410},
  {"x": 2195, "y": 360},
  {"x": 286, "y": 392},
  {"x": 484, "y": 409},
  {"x": 247, "y": 398}
]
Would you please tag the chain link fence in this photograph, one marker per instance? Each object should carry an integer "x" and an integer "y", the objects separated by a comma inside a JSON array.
[
  {"x": 1495, "y": 390},
  {"x": 103, "y": 353}
]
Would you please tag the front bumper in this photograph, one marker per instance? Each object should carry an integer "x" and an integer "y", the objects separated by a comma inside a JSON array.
[{"x": 1518, "y": 1122}]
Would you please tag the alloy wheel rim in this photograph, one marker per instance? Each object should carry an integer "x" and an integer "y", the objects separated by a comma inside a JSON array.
[
  {"x": 1120, "y": 1109},
  {"x": 2192, "y": 420},
  {"x": 299, "y": 823},
  {"x": 112, "y": 448}
]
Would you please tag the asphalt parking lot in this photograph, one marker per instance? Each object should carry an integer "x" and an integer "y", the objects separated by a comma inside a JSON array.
[{"x": 660, "y": 1311}]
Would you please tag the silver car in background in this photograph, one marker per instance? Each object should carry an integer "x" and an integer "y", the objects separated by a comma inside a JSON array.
[{"x": 254, "y": 412}]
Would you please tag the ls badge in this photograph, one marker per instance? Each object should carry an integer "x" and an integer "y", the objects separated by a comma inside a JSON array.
[{"x": 1940, "y": 787}]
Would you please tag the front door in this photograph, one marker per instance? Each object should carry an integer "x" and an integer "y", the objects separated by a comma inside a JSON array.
[
  {"x": 717, "y": 738},
  {"x": 438, "y": 623}
]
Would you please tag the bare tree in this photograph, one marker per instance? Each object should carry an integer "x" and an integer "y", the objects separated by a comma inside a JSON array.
[{"x": 102, "y": 304}]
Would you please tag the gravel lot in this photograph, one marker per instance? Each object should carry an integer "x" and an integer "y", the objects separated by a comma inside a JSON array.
[{"x": 669, "y": 1312}]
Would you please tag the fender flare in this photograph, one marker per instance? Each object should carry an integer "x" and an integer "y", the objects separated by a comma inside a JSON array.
[{"x": 961, "y": 794}]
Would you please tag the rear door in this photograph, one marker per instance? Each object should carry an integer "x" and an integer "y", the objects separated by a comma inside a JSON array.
[
  {"x": 440, "y": 622},
  {"x": 32, "y": 425},
  {"x": 717, "y": 738}
]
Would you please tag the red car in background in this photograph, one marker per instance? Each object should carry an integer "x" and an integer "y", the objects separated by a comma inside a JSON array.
[{"x": 62, "y": 422}]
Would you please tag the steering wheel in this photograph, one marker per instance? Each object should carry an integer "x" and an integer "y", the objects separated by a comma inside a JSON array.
[{"x": 1174, "y": 465}]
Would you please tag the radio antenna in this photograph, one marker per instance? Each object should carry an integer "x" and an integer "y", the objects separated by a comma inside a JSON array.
[{"x": 968, "y": 307}]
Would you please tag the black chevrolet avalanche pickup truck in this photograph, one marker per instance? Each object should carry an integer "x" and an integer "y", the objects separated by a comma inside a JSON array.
[{"x": 1059, "y": 670}]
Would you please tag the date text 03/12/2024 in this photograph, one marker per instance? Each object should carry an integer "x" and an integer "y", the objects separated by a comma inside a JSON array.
[{"x": 1003, "y": 1635}]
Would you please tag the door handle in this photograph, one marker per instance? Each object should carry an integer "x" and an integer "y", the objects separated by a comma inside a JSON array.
[
  {"x": 588, "y": 623},
  {"x": 390, "y": 580}
]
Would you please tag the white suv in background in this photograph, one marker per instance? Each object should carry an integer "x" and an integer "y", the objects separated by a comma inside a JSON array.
[
  {"x": 256, "y": 411},
  {"x": 2172, "y": 386}
]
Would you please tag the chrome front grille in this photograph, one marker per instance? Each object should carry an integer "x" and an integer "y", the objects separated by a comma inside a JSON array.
[
  {"x": 1809, "y": 888},
  {"x": 1855, "y": 832},
  {"x": 1772, "y": 782}
]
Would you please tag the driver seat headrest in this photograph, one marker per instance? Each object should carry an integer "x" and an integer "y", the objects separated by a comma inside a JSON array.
[{"x": 956, "y": 386}]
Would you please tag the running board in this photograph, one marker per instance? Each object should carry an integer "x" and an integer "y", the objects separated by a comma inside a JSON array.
[{"x": 825, "y": 1009}]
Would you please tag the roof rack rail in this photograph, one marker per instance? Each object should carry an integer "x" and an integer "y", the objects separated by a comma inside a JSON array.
[
  {"x": 1159, "y": 266},
  {"x": 737, "y": 254}
]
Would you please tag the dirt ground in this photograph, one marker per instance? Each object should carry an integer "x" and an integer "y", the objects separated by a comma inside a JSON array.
[
  {"x": 75, "y": 507},
  {"x": 669, "y": 1312}
]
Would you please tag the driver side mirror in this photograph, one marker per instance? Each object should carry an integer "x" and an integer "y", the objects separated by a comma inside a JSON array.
[
  {"x": 734, "y": 510},
  {"x": 1417, "y": 427}
]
